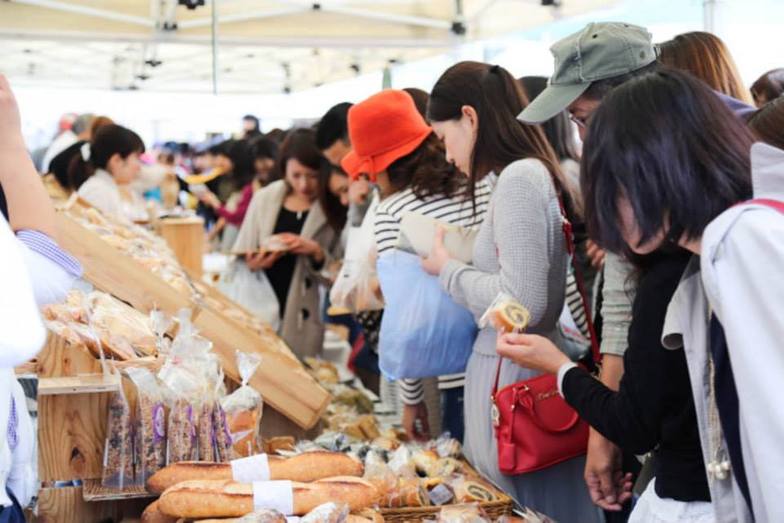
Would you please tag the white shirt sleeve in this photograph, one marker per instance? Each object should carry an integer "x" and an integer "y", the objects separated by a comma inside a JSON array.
[
  {"x": 23, "y": 477},
  {"x": 742, "y": 271},
  {"x": 22, "y": 333}
]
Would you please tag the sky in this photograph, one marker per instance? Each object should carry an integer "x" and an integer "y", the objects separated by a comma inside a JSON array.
[{"x": 747, "y": 26}]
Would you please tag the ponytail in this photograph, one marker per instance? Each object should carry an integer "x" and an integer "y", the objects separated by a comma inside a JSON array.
[{"x": 106, "y": 142}]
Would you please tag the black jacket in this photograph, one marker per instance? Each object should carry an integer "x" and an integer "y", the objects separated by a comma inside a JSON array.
[{"x": 654, "y": 407}]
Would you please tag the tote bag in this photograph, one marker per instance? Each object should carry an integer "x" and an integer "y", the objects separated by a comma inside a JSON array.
[{"x": 424, "y": 332}]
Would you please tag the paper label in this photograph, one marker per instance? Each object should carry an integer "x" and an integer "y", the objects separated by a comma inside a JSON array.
[
  {"x": 250, "y": 469},
  {"x": 158, "y": 422},
  {"x": 275, "y": 495},
  {"x": 293, "y": 519},
  {"x": 441, "y": 495}
]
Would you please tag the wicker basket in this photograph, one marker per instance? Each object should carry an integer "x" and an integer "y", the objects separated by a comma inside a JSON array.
[{"x": 494, "y": 509}]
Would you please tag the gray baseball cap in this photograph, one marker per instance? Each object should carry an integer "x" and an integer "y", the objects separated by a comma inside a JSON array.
[{"x": 601, "y": 50}]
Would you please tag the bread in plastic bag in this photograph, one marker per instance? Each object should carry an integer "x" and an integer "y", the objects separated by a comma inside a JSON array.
[
  {"x": 149, "y": 424},
  {"x": 506, "y": 315},
  {"x": 118, "y": 450},
  {"x": 243, "y": 409}
]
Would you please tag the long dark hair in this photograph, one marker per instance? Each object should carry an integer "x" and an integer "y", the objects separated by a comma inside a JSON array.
[
  {"x": 426, "y": 171},
  {"x": 107, "y": 141},
  {"x": 672, "y": 148},
  {"x": 557, "y": 129},
  {"x": 769, "y": 86},
  {"x": 240, "y": 152},
  {"x": 300, "y": 145},
  {"x": 498, "y": 99}
]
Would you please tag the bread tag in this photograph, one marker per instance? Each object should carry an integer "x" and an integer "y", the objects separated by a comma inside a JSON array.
[
  {"x": 250, "y": 469},
  {"x": 276, "y": 495}
]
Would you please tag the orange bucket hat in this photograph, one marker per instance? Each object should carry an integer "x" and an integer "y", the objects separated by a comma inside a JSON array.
[{"x": 382, "y": 129}]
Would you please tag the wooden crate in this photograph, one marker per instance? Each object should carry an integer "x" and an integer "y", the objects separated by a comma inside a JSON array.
[
  {"x": 281, "y": 379},
  {"x": 185, "y": 236},
  {"x": 67, "y": 505}
]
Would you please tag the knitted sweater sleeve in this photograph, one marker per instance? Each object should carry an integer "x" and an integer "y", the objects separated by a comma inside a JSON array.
[{"x": 520, "y": 223}]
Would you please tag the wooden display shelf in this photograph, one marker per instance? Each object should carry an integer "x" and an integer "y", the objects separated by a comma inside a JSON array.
[
  {"x": 281, "y": 379},
  {"x": 67, "y": 504},
  {"x": 86, "y": 384},
  {"x": 93, "y": 490}
]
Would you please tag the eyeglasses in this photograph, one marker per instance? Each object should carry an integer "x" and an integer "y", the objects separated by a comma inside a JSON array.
[{"x": 582, "y": 123}]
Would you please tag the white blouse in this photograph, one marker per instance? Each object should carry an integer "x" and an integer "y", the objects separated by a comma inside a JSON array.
[{"x": 102, "y": 192}]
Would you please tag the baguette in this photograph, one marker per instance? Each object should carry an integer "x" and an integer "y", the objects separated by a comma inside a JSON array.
[
  {"x": 247, "y": 519},
  {"x": 216, "y": 499},
  {"x": 153, "y": 514},
  {"x": 305, "y": 468}
]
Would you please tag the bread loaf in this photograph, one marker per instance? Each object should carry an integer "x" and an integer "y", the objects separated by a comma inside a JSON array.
[
  {"x": 153, "y": 514},
  {"x": 307, "y": 467},
  {"x": 215, "y": 499},
  {"x": 259, "y": 516}
]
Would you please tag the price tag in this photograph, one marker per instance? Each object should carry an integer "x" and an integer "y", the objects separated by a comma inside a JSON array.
[{"x": 250, "y": 469}]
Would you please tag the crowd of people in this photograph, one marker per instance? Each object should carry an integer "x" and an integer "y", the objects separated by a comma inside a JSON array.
[{"x": 670, "y": 175}]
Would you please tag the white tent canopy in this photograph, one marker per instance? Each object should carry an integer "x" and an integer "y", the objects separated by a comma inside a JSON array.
[{"x": 262, "y": 46}]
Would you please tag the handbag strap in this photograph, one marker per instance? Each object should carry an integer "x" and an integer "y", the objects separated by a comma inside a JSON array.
[{"x": 568, "y": 232}]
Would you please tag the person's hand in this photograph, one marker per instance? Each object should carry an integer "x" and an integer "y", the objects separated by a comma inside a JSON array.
[
  {"x": 296, "y": 244},
  {"x": 603, "y": 474},
  {"x": 262, "y": 260},
  {"x": 208, "y": 198},
  {"x": 11, "y": 138},
  {"x": 531, "y": 351},
  {"x": 439, "y": 256},
  {"x": 595, "y": 254},
  {"x": 358, "y": 191},
  {"x": 413, "y": 414}
]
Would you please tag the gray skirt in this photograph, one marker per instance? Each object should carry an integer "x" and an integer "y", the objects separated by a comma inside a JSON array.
[{"x": 559, "y": 491}]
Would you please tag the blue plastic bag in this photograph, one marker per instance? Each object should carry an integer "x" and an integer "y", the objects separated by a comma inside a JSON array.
[{"x": 424, "y": 332}]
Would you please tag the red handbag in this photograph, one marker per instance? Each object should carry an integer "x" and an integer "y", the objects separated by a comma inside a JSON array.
[{"x": 534, "y": 426}]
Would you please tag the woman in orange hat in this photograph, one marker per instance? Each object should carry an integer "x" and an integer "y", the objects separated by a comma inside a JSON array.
[
  {"x": 520, "y": 250},
  {"x": 407, "y": 162}
]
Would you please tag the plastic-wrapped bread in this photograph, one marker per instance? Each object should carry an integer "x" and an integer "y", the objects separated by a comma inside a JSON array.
[
  {"x": 153, "y": 514},
  {"x": 306, "y": 467},
  {"x": 229, "y": 499}
]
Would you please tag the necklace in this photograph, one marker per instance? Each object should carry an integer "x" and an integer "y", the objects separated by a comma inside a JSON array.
[{"x": 719, "y": 466}]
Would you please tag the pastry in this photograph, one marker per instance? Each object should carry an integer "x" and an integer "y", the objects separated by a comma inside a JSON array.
[
  {"x": 510, "y": 316},
  {"x": 306, "y": 467},
  {"x": 152, "y": 514},
  {"x": 211, "y": 499}
]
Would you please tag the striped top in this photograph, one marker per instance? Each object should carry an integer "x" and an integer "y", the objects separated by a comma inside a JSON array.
[{"x": 456, "y": 211}]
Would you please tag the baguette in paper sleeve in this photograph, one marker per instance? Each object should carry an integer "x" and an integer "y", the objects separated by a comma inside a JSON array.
[
  {"x": 229, "y": 499},
  {"x": 306, "y": 467}
]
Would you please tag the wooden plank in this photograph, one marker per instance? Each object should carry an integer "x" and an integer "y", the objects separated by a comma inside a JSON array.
[
  {"x": 67, "y": 505},
  {"x": 61, "y": 358},
  {"x": 71, "y": 436},
  {"x": 87, "y": 384},
  {"x": 292, "y": 391},
  {"x": 185, "y": 236},
  {"x": 113, "y": 272}
]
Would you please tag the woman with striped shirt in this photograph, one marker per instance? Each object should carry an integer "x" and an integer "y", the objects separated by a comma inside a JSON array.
[{"x": 408, "y": 164}]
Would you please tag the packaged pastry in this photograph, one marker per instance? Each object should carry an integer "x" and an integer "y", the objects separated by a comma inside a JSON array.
[
  {"x": 149, "y": 424},
  {"x": 463, "y": 514},
  {"x": 215, "y": 499},
  {"x": 407, "y": 493},
  {"x": 182, "y": 432},
  {"x": 118, "y": 450},
  {"x": 506, "y": 315},
  {"x": 243, "y": 409}
]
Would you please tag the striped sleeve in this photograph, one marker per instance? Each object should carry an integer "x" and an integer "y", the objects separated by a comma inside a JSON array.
[{"x": 42, "y": 244}]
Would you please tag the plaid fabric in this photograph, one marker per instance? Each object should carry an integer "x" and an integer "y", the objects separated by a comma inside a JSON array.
[
  {"x": 13, "y": 425},
  {"x": 45, "y": 246}
]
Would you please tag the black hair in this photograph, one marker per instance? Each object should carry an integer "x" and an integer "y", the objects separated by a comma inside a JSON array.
[
  {"x": 670, "y": 147},
  {"x": 251, "y": 118},
  {"x": 240, "y": 153},
  {"x": 769, "y": 86},
  {"x": 333, "y": 126},
  {"x": 108, "y": 141},
  {"x": 264, "y": 147},
  {"x": 558, "y": 129},
  {"x": 601, "y": 88}
]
